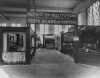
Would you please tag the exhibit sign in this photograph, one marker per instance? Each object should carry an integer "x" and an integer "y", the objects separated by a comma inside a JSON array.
[
  {"x": 14, "y": 47},
  {"x": 52, "y": 18}
]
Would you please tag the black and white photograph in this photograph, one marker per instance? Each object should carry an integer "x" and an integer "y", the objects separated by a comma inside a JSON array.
[{"x": 49, "y": 38}]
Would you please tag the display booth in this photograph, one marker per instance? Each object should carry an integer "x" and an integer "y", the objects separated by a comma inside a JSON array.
[
  {"x": 89, "y": 44},
  {"x": 54, "y": 18},
  {"x": 15, "y": 45},
  {"x": 64, "y": 41},
  {"x": 67, "y": 43},
  {"x": 49, "y": 41}
]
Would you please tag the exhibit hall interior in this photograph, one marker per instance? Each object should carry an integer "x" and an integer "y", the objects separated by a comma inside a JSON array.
[{"x": 49, "y": 38}]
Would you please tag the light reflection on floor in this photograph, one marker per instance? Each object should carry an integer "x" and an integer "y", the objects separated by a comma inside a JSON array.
[
  {"x": 3, "y": 74},
  {"x": 49, "y": 71},
  {"x": 90, "y": 71},
  {"x": 50, "y": 64}
]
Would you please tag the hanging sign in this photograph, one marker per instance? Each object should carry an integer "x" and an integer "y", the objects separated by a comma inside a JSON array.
[
  {"x": 53, "y": 18},
  {"x": 38, "y": 21}
]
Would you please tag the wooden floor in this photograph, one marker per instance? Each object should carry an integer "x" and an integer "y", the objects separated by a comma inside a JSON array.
[{"x": 50, "y": 64}]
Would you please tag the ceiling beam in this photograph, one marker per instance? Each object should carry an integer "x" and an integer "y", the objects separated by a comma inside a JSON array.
[
  {"x": 14, "y": 9},
  {"x": 41, "y": 9}
]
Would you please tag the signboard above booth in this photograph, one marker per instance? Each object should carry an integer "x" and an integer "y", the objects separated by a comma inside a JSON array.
[{"x": 52, "y": 18}]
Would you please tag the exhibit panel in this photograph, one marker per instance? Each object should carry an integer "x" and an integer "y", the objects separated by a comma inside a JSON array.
[
  {"x": 14, "y": 48},
  {"x": 89, "y": 31},
  {"x": 49, "y": 41},
  {"x": 64, "y": 40},
  {"x": 89, "y": 44},
  {"x": 67, "y": 41}
]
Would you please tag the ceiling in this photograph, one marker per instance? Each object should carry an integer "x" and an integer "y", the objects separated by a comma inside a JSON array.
[
  {"x": 57, "y": 3},
  {"x": 18, "y": 8}
]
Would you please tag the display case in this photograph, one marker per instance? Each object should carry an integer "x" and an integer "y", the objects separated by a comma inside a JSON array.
[
  {"x": 64, "y": 41},
  {"x": 13, "y": 46}
]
